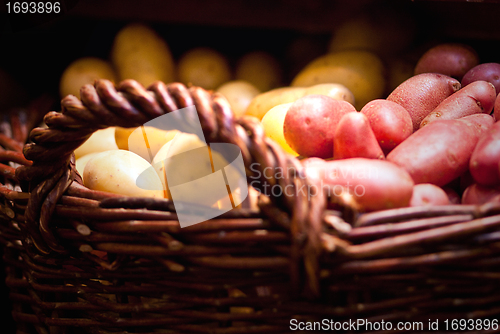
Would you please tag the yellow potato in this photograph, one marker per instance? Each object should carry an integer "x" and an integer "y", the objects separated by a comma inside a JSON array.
[
  {"x": 333, "y": 90},
  {"x": 204, "y": 67},
  {"x": 362, "y": 72},
  {"x": 121, "y": 137},
  {"x": 84, "y": 71},
  {"x": 272, "y": 122},
  {"x": 99, "y": 141},
  {"x": 118, "y": 171},
  {"x": 239, "y": 94},
  {"x": 172, "y": 157},
  {"x": 139, "y": 53},
  {"x": 146, "y": 141},
  {"x": 81, "y": 162},
  {"x": 261, "y": 69},
  {"x": 261, "y": 104}
]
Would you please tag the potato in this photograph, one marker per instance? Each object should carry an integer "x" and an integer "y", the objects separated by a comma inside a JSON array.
[
  {"x": 146, "y": 141},
  {"x": 81, "y": 162},
  {"x": 100, "y": 141},
  {"x": 84, "y": 71},
  {"x": 121, "y": 137},
  {"x": 263, "y": 102},
  {"x": 477, "y": 97},
  {"x": 272, "y": 123},
  {"x": 420, "y": 94},
  {"x": 261, "y": 69},
  {"x": 354, "y": 138},
  {"x": 440, "y": 152},
  {"x": 122, "y": 172},
  {"x": 451, "y": 59},
  {"x": 239, "y": 94},
  {"x": 333, "y": 90},
  {"x": 484, "y": 160},
  {"x": 362, "y": 72},
  {"x": 184, "y": 161},
  {"x": 390, "y": 122},
  {"x": 374, "y": 184},
  {"x": 310, "y": 124},
  {"x": 487, "y": 71},
  {"x": 139, "y": 53},
  {"x": 429, "y": 195},
  {"x": 479, "y": 194},
  {"x": 204, "y": 67},
  {"x": 496, "y": 108}
]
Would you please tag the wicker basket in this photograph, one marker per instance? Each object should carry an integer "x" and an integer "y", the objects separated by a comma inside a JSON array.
[{"x": 82, "y": 261}]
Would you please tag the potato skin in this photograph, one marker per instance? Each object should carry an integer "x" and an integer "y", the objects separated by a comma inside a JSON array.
[
  {"x": 354, "y": 138},
  {"x": 310, "y": 124},
  {"x": 374, "y": 184},
  {"x": 478, "y": 194},
  {"x": 496, "y": 109},
  {"x": 477, "y": 97},
  {"x": 420, "y": 94},
  {"x": 440, "y": 152},
  {"x": 263, "y": 102},
  {"x": 452, "y": 59},
  {"x": 429, "y": 195},
  {"x": 487, "y": 71},
  {"x": 484, "y": 160},
  {"x": 390, "y": 122}
]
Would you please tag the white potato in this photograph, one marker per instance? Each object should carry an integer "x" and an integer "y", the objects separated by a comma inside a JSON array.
[
  {"x": 189, "y": 161},
  {"x": 81, "y": 162},
  {"x": 122, "y": 172},
  {"x": 99, "y": 141},
  {"x": 239, "y": 94}
]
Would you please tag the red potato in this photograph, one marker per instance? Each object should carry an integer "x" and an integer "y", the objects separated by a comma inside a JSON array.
[
  {"x": 426, "y": 194},
  {"x": 478, "y": 194},
  {"x": 487, "y": 71},
  {"x": 483, "y": 164},
  {"x": 390, "y": 122},
  {"x": 373, "y": 184},
  {"x": 440, "y": 152},
  {"x": 452, "y": 59},
  {"x": 496, "y": 109},
  {"x": 354, "y": 138},
  {"x": 422, "y": 93},
  {"x": 477, "y": 97},
  {"x": 310, "y": 124}
]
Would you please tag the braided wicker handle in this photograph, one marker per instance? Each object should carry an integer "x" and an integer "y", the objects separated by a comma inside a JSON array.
[{"x": 131, "y": 105}]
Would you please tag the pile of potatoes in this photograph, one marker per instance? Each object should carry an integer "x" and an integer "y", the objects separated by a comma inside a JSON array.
[
  {"x": 371, "y": 125},
  {"x": 136, "y": 161},
  {"x": 434, "y": 140},
  {"x": 138, "y": 52}
]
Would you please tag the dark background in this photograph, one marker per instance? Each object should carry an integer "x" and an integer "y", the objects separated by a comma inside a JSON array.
[{"x": 36, "y": 48}]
